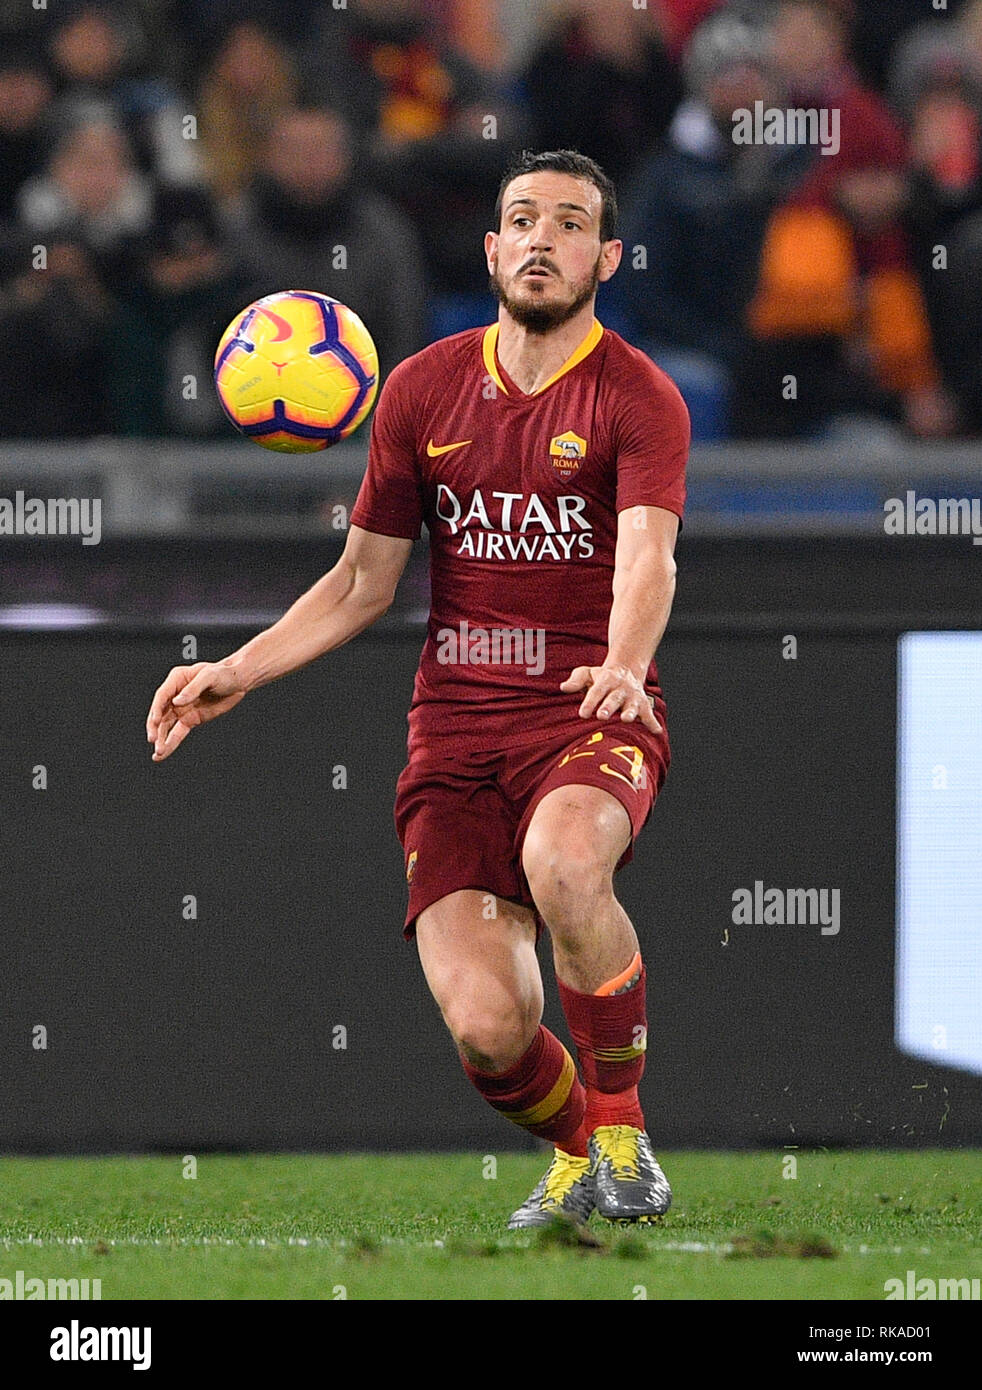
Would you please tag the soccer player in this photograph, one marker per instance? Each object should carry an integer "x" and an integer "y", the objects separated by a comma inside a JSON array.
[{"x": 547, "y": 458}]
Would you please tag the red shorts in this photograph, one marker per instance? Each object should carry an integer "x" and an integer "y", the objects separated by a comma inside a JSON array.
[{"x": 461, "y": 815}]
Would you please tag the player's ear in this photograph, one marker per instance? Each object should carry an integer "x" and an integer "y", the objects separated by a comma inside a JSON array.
[
  {"x": 491, "y": 248},
  {"x": 611, "y": 253}
]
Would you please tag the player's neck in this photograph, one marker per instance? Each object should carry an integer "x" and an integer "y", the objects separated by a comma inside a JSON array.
[{"x": 530, "y": 359}]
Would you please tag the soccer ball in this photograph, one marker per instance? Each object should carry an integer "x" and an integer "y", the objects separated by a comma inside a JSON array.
[{"x": 296, "y": 371}]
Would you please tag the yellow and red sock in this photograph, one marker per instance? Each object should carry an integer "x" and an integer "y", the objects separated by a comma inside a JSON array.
[
  {"x": 541, "y": 1092},
  {"x": 609, "y": 1028}
]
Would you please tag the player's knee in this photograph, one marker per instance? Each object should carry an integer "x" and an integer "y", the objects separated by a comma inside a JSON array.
[
  {"x": 567, "y": 880},
  {"x": 492, "y": 1039}
]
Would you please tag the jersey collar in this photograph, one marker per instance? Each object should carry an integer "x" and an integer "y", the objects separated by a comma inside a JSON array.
[{"x": 490, "y": 342}]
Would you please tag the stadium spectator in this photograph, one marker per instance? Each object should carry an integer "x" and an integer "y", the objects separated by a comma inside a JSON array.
[
  {"x": 838, "y": 322},
  {"x": 55, "y": 333},
  {"x": 474, "y": 28},
  {"x": 876, "y": 30},
  {"x": 250, "y": 82},
  {"x": 306, "y": 223},
  {"x": 185, "y": 289},
  {"x": 92, "y": 194},
  {"x": 934, "y": 52},
  {"x": 385, "y": 65},
  {"x": 445, "y": 185},
  {"x": 81, "y": 224},
  {"x": 694, "y": 222},
  {"x": 97, "y": 55},
  {"x": 960, "y": 309},
  {"x": 521, "y": 23},
  {"x": 879, "y": 30},
  {"x": 25, "y": 100},
  {"x": 945, "y": 174},
  {"x": 204, "y": 24},
  {"x": 436, "y": 132},
  {"x": 619, "y": 87},
  {"x": 682, "y": 19},
  {"x": 943, "y": 217}
]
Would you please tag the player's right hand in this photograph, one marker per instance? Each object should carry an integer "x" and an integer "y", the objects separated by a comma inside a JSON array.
[{"x": 191, "y": 695}]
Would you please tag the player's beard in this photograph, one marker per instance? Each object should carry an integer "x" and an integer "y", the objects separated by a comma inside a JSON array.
[{"x": 546, "y": 317}]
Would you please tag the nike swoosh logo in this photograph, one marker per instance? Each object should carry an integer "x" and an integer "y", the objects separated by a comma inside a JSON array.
[
  {"x": 434, "y": 449},
  {"x": 283, "y": 329}
]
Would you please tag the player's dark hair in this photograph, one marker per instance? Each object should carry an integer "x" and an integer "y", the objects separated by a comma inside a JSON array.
[{"x": 564, "y": 162}]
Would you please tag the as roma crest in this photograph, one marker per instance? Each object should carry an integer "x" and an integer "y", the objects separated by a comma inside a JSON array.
[{"x": 567, "y": 451}]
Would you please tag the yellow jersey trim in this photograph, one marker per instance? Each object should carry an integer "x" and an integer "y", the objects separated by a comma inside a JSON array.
[{"x": 490, "y": 343}]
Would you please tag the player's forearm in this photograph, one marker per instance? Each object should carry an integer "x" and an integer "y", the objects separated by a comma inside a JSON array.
[
  {"x": 330, "y": 613},
  {"x": 643, "y": 596}
]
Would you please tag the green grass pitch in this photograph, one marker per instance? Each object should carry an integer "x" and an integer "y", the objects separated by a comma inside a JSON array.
[{"x": 432, "y": 1226}]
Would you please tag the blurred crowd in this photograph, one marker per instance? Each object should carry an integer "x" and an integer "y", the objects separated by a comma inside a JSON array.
[{"x": 163, "y": 162}]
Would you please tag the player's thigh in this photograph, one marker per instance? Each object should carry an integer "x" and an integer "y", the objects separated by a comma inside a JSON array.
[{"x": 478, "y": 955}]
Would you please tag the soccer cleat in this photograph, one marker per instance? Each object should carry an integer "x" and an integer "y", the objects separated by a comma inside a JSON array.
[
  {"x": 629, "y": 1184},
  {"x": 565, "y": 1190}
]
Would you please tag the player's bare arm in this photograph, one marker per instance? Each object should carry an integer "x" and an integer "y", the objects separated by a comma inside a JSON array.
[
  {"x": 644, "y": 588},
  {"x": 345, "y": 601}
]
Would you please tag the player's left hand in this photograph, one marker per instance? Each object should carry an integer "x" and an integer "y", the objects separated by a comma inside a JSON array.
[{"x": 609, "y": 690}]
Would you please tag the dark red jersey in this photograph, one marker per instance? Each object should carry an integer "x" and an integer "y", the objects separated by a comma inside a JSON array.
[{"x": 520, "y": 495}]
